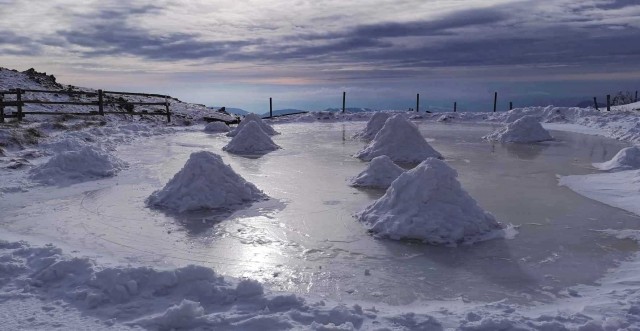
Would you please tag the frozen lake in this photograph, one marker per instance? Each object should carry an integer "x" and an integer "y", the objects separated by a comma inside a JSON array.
[{"x": 305, "y": 239}]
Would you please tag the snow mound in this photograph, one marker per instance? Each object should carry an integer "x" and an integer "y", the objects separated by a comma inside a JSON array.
[
  {"x": 81, "y": 165},
  {"x": 215, "y": 127},
  {"x": 526, "y": 129},
  {"x": 446, "y": 118},
  {"x": 251, "y": 140},
  {"x": 401, "y": 141},
  {"x": 205, "y": 182},
  {"x": 427, "y": 203},
  {"x": 626, "y": 159},
  {"x": 380, "y": 173},
  {"x": 375, "y": 123},
  {"x": 253, "y": 118}
]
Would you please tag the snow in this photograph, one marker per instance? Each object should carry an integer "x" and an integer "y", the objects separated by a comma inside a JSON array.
[
  {"x": 251, "y": 140},
  {"x": 428, "y": 204},
  {"x": 76, "y": 166},
  {"x": 253, "y": 118},
  {"x": 216, "y": 127},
  {"x": 618, "y": 189},
  {"x": 375, "y": 124},
  {"x": 626, "y": 159},
  {"x": 401, "y": 141},
  {"x": 380, "y": 173},
  {"x": 526, "y": 129},
  {"x": 205, "y": 182}
]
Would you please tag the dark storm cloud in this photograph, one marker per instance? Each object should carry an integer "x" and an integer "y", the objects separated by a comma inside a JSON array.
[
  {"x": 511, "y": 34},
  {"x": 13, "y": 44},
  {"x": 112, "y": 31}
]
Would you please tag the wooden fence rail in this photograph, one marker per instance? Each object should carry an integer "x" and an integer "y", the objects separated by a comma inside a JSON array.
[{"x": 101, "y": 101}]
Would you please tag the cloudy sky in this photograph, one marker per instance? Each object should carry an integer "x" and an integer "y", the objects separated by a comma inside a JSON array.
[{"x": 305, "y": 53}]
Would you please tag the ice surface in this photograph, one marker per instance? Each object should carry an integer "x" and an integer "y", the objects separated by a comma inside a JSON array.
[
  {"x": 627, "y": 159},
  {"x": 526, "y": 129},
  {"x": 253, "y": 118},
  {"x": 380, "y": 173},
  {"x": 87, "y": 163},
  {"x": 215, "y": 127},
  {"x": 251, "y": 140},
  {"x": 428, "y": 203},
  {"x": 401, "y": 141},
  {"x": 205, "y": 182},
  {"x": 375, "y": 123}
]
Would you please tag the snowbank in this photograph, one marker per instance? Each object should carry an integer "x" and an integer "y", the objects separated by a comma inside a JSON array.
[
  {"x": 253, "y": 118},
  {"x": 251, "y": 140},
  {"x": 626, "y": 159},
  {"x": 375, "y": 123},
  {"x": 205, "y": 182},
  {"x": 215, "y": 127},
  {"x": 427, "y": 203},
  {"x": 617, "y": 189},
  {"x": 523, "y": 130},
  {"x": 81, "y": 165},
  {"x": 380, "y": 173},
  {"x": 401, "y": 141}
]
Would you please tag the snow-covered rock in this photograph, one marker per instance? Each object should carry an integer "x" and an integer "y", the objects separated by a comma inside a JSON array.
[
  {"x": 251, "y": 140},
  {"x": 428, "y": 204},
  {"x": 626, "y": 159},
  {"x": 401, "y": 141},
  {"x": 215, "y": 127},
  {"x": 87, "y": 163},
  {"x": 205, "y": 182},
  {"x": 375, "y": 123},
  {"x": 526, "y": 129},
  {"x": 380, "y": 173},
  {"x": 253, "y": 118}
]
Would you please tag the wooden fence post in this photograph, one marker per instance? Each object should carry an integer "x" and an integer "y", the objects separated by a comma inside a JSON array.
[
  {"x": 455, "y": 106},
  {"x": 100, "y": 103},
  {"x": 344, "y": 101},
  {"x": 418, "y": 103},
  {"x": 19, "y": 103},
  {"x": 495, "y": 101},
  {"x": 510, "y": 105},
  {"x": 1, "y": 108},
  {"x": 595, "y": 103},
  {"x": 270, "y": 107},
  {"x": 166, "y": 105},
  {"x": 608, "y": 102}
]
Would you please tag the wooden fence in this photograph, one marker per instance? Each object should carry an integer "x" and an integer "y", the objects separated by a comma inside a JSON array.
[{"x": 103, "y": 98}]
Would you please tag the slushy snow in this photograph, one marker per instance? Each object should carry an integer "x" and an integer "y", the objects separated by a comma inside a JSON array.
[
  {"x": 380, "y": 173},
  {"x": 251, "y": 140},
  {"x": 374, "y": 125},
  {"x": 87, "y": 163},
  {"x": 626, "y": 159},
  {"x": 526, "y": 129},
  {"x": 253, "y": 118},
  {"x": 215, "y": 127},
  {"x": 401, "y": 141},
  {"x": 428, "y": 203},
  {"x": 205, "y": 182}
]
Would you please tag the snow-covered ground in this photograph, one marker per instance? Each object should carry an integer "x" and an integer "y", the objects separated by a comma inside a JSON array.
[{"x": 116, "y": 265}]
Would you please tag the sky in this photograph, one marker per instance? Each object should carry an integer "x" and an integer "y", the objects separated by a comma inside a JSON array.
[{"x": 305, "y": 53}]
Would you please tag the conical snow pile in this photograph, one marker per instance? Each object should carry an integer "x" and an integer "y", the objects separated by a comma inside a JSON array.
[
  {"x": 87, "y": 163},
  {"x": 251, "y": 140},
  {"x": 401, "y": 141},
  {"x": 376, "y": 122},
  {"x": 524, "y": 130},
  {"x": 205, "y": 182},
  {"x": 253, "y": 118},
  {"x": 427, "y": 203},
  {"x": 626, "y": 159},
  {"x": 380, "y": 173},
  {"x": 216, "y": 127}
]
